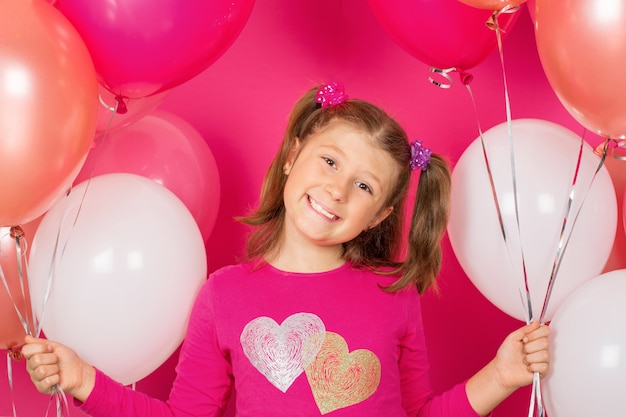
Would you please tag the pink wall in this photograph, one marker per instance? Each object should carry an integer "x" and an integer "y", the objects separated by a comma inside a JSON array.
[{"x": 240, "y": 105}]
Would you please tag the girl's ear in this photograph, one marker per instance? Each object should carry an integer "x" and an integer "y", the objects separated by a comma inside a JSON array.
[
  {"x": 384, "y": 213},
  {"x": 291, "y": 158}
]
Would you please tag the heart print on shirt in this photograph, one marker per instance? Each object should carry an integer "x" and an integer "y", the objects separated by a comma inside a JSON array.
[{"x": 338, "y": 378}]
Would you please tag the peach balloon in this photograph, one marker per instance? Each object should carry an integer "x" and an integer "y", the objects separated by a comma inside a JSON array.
[
  {"x": 48, "y": 105},
  {"x": 582, "y": 47},
  {"x": 493, "y": 4}
]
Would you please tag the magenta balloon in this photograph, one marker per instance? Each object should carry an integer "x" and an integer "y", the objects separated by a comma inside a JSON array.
[
  {"x": 440, "y": 33},
  {"x": 165, "y": 148},
  {"x": 143, "y": 47}
]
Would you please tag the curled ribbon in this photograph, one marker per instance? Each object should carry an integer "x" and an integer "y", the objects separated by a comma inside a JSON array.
[
  {"x": 492, "y": 22},
  {"x": 119, "y": 107},
  {"x": 465, "y": 77},
  {"x": 602, "y": 149}
]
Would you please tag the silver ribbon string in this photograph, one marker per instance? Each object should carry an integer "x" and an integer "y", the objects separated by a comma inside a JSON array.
[
  {"x": 58, "y": 396},
  {"x": 563, "y": 238},
  {"x": 536, "y": 397}
]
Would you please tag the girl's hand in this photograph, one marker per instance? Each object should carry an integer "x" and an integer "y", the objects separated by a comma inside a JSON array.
[
  {"x": 50, "y": 363},
  {"x": 523, "y": 352}
]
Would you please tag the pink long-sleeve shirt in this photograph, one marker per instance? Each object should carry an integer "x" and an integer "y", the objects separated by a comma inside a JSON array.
[{"x": 294, "y": 344}]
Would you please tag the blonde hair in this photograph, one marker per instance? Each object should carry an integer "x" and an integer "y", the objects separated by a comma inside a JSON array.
[{"x": 377, "y": 248}]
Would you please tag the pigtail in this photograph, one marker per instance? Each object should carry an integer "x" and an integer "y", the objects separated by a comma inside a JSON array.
[
  {"x": 428, "y": 225},
  {"x": 268, "y": 216}
]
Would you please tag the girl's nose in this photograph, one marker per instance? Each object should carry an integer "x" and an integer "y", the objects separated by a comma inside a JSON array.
[{"x": 337, "y": 187}]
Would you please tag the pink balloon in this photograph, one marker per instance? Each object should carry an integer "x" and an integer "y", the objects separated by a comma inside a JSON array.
[
  {"x": 115, "y": 112},
  {"x": 143, "y": 47},
  {"x": 165, "y": 148},
  {"x": 122, "y": 289},
  {"x": 545, "y": 156},
  {"x": 442, "y": 33},
  {"x": 588, "y": 341}
]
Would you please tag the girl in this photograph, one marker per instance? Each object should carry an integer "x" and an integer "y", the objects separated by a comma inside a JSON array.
[{"x": 324, "y": 317}]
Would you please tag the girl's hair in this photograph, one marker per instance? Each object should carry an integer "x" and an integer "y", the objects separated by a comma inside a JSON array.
[{"x": 380, "y": 247}]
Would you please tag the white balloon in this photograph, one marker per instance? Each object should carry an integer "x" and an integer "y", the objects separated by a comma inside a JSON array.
[
  {"x": 545, "y": 156},
  {"x": 130, "y": 260},
  {"x": 588, "y": 351}
]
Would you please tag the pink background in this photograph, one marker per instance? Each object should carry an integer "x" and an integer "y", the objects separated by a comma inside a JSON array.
[{"x": 240, "y": 106}]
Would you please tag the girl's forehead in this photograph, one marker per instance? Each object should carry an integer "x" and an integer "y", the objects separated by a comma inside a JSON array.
[{"x": 338, "y": 129}]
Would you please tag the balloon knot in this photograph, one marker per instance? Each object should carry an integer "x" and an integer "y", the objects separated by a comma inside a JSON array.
[
  {"x": 121, "y": 105},
  {"x": 17, "y": 232},
  {"x": 16, "y": 355},
  {"x": 492, "y": 22},
  {"x": 466, "y": 77}
]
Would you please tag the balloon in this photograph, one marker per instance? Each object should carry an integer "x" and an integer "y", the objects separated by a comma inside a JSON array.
[
  {"x": 15, "y": 307},
  {"x": 127, "y": 271},
  {"x": 582, "y": 48},
  {"x": 48, "y": 105},
  {"x": 588, "y": 341},
  {"x": 165, "y": 148},
  {"x": 115, "y": 112},
  {"x": 545, "y": 156},
  {"x": 443, "y": 33},
  {"x": 145, "y": 47},
  {"x": 493, "y": 4}
]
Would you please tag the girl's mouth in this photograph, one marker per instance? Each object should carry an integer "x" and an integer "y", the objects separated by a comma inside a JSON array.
[{"x": 321, "y": 210}]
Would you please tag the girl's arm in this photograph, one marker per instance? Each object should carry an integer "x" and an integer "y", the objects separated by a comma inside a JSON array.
[{"x": 523, "y": 352}]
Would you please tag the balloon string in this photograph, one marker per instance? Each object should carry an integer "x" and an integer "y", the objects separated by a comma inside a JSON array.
[
  {"x": 59, "y": 399},
  {"x": 444, "y": 73},
  {"x": 23, "y": 317},
  {"x": 467, "y": 78},
  {"x": 10, "y": 379},
  {"x": 17, "y": 233},
  {"x": 58, "y": 395},
  {"x": 492, "y": 23},
  {"x": 503, "y": 229},
  {"x": 118, "y": 102},
  {"x": 564, "y": 241}
]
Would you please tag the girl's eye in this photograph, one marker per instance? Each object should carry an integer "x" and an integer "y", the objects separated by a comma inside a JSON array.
[
  {"x": 364, "y": 187},
  {"x": 329, "y": 162}
]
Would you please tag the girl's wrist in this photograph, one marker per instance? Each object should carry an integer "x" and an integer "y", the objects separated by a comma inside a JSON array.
[
  {"x": 485, "y": 389},
  {"x": 87, "y": 383}
]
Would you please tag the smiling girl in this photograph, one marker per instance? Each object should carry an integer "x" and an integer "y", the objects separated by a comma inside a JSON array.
[{"x": 324, "y": 317}]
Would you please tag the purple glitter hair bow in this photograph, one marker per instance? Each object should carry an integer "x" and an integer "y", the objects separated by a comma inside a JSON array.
[
  {"x": 331, "y": 94},
  {"x": 420, "y": 156}
]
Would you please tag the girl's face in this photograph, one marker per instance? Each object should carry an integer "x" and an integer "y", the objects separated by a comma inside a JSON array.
[{"x": 338, "y": 181}]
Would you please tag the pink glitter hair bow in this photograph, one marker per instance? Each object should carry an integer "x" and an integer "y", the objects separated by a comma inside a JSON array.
[
  {"x": 331, "y": 94},
  {"x": 420, "y": 156}
]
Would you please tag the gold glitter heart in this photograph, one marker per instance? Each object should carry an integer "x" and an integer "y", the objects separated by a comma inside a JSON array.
[{"x": 339, "y": 378}]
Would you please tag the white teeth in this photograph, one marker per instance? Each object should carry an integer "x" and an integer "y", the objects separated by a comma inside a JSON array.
[{"x": 320, "y": 210}]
